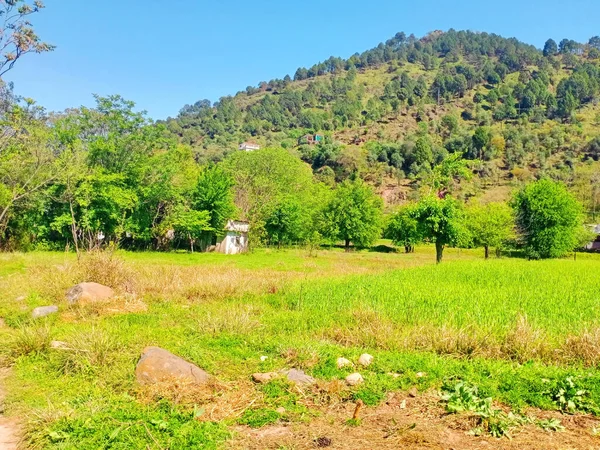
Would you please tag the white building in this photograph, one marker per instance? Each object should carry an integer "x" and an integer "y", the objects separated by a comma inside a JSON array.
[
  {"x": 236, "y": 238},
  {"x": 595, "y": 245},
  {"x": 249, "y": 146}
]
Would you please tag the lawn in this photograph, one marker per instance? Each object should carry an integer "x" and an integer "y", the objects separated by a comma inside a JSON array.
[{"x": 516, "y": 329}]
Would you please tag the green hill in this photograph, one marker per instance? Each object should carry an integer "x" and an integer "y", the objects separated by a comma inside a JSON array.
[{"x": 393, "y": 112}]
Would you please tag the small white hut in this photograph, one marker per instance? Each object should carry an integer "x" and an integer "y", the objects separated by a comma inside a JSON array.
[{"x": 236, "y": 238}]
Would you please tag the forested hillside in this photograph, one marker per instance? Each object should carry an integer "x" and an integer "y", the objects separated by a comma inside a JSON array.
[
  {"x": 394, "y": 112},
  {"x": 468, "y": 116}
]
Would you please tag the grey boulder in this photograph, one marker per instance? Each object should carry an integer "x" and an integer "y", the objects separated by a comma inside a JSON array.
[
  {"x": 43, "y": 311},
  {"x": 157, "y": 365}
]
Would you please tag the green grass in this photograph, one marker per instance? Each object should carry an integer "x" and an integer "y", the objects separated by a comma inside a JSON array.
[{"x": 515, "y": 329}]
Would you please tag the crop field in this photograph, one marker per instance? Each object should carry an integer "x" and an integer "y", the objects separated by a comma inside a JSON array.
[{"x": 445, "y": 339}]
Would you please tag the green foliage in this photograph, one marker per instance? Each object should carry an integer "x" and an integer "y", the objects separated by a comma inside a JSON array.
[
  {"x": 403, "y": 228},
  {"x": 213, "y": 193},
  {"x": 548, "y": 218},
  {"x": 258, "y": 418},
  {"x": 439, "y": 221},
  {"x": 571, "y": 398},
  {"x": 354, "y": 215},
  {"x": 490, "y": 225}
]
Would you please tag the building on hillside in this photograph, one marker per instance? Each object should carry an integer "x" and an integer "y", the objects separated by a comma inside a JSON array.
[
  {"x": 595, "y": 245},
  {"x": 249, "y": 146},
  {"x": 310, "y": 139},
  {"x": 236, "y": 238}
]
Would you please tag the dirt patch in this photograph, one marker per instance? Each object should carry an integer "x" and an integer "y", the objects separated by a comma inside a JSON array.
[
  {"x": 412, "y": 423},
  {"x": 9, "y": 428}
]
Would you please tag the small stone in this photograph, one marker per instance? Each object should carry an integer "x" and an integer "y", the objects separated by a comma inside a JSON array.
[
  {"x": 264, "y": 377},
  {"x": 403, "y": 404},
  {"x": 21, "y": 298},
  {"x": 157, "y": 364},
  {"x": 394, "y": 375},
  {"x": 299, "y": 378},
  {"x": 420, "y": 374},
  {"x": 280, "y": 410},
  {"x": 58, "y": 345},
  {"x": 264, "y": 358},
  {"x": 89, "y": 293},
  {"x": 413, "y": 392},
  {"x": 354, "y": 379},
  {"x": 343, "y": 362},
  {"x": 365, "y": 360},
  {"x": 44, "y": 311}
]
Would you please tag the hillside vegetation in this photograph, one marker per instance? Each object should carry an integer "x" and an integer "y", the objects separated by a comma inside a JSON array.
[{"x": 397, "y": 110}]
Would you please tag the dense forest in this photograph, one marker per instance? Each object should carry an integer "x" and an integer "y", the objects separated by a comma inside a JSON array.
[{"x": 456, "y": 116}]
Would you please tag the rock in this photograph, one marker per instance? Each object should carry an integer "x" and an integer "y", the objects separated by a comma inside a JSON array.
[
  {"x": 299, "y": 378},
  {"x": 58, "y": 345},
  {"x": 365, "y": 360},
  {"x": 264, "y": 358},
  {"x": 394, "y": 375},
  {"x": 21, "y": 298},
  {"x": 413, "y": 392},
  {"x": 264, "y": 377},
  {"x": 44, "y": 311},
  {"x": 280, "y": 410},
  {"x": 420, "y": 374},
  {"x": 157, "y": 364},
  {"x": 354, "y": 379},
  {"x": 343, "y": 362},
  {"x": 89, "y": 293}
]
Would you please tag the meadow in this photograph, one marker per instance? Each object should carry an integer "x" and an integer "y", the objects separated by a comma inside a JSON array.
[{"x": 518, "y": 330}]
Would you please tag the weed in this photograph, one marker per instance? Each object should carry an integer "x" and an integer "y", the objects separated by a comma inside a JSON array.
[
  {"x": 31, "y": 339},
  {"x": 570, "y": 397},
  {"x": 257, "y": 418},
  {"x": 86, "y": 352}
]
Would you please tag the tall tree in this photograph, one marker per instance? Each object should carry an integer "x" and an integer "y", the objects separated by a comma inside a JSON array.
[
  {"x": 354, "y": 215},
  {"x": 550, "y": 48},
  {"x": 549, "y": 219},
  {"x": 17, "y": 36}
]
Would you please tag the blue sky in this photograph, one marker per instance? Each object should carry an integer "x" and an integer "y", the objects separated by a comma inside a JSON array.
[{"x": 164, "y": 54}]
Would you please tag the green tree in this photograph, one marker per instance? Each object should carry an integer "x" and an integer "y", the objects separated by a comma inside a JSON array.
[
  {"x": 213, "y": 193},
  {"x": 190, "y": 224},
  {"x": 548, "y": 218},
  {"x": 403, "y": 228},
  {"x": 550, "y": 48},
  {"x": 490, "y": 225},
  {"x": 354, "y": 215},
  {"x": 439, "y": 221}
]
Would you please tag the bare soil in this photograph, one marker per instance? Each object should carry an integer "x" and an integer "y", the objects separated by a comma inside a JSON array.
[
  {"x": 9, "y": 428},
  {"x": 413, "y": 423}
]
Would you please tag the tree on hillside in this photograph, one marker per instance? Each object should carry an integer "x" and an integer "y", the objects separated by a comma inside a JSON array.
[
  {"x": 550, "y": 48},
  {"x": 490, "y": 225},
  {"x": 439, "y": 221},
  {"x": 17, "y": 36},
  {"x": 548, "y": 218},
  {"x": 403, "y": 228},
  {"x": 354, "y": 215}
]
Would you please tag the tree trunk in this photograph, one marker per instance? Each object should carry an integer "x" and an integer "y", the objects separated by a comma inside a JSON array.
[
  {"x": 439, "y": 252},
  {"x": 487, "y": 251},
  {"x": 347, "y": 245},
  {"x": 407, "y": 249}
]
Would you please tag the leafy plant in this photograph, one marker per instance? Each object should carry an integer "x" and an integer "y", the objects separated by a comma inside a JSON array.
[{"x": 570, "y": 398}]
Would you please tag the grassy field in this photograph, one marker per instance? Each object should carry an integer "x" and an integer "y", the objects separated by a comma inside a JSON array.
[{"x": 520, "y": 331}]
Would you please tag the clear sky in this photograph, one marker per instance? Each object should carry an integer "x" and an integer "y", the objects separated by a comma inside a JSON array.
[{"x": 165, "y": 54}]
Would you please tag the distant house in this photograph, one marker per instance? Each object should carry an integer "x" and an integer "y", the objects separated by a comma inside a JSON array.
[
  {"x": 249, "y": 146},
  {"x": 236, "y": 238},
  {"x": 310, "y": 139},
  {"x": 595, "y": 245}
]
